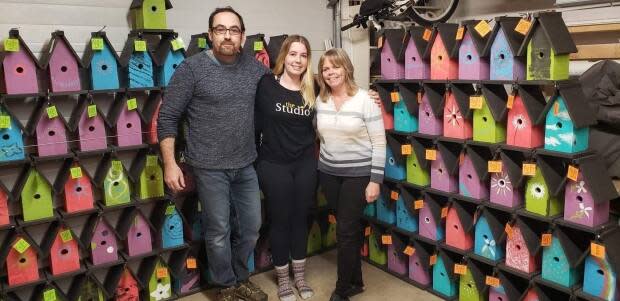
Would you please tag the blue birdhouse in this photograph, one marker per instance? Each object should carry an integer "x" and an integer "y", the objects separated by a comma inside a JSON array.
[
  {"x": 505, "y": 62},
  {"x": 406, "y": 108},
  {"x": 568, "y": 120},
  {"x": 168, "y": 57},
  {"x": 406, "y": 214},
  {"x": 101, "y": 60},
  {"x": 137, "y": 63},
  {"x": 386, "y": 205},
  {"x": 11, "y": 131},
  {"x": 600, "y": 277},
  {"x": 561, "y": 260},
  {"x": 489, "y": 235},
  {"x": 167, "y": 220},
  {"x": 444, "y": 279},
  {"x": 395, "y": 161}
]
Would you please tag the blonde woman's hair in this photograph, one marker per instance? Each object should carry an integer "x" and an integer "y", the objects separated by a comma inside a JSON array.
[
  {"x": 307, "y": 78},
  {"x": 338, "y": 58}
]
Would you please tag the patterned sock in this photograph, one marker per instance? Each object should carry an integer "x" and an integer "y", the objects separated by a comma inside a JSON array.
[
  {"x": 285, "y": 292},
  {"x": 299, "y": 270}
]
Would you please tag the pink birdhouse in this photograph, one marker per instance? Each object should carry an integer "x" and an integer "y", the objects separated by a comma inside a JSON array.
[
  {"x": 75, "y": 186},
  {"x": 445, "y": 166},
  {"x": 125, "y": 121},
  {"x": 89, "y": 125},
  {"x": 64, "y": 249},
  {"x": 525, "y": 118},
  {"x": 444, "y": 58},
  {"x": 523, "y": 245},
  {"x": 19, "y": 68},
  {"x": 62, "y": 64},
  {"x": 459, "y": 226},
  {"x": 457, "y": 117},
  {"x": 49, "y": 128},
  {"x": 417, "y": 64},
  {"x": 392, "y": 47}
]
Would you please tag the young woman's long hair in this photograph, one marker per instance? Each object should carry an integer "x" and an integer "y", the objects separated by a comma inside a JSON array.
[
  {"x": 307, "y": 78},
  {"x": 338, "y": 58}
]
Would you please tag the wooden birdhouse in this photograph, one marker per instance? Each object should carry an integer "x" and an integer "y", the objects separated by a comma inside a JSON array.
[
  {"x": 473, "y": 52},
  {"x": 544, "y": 191},
  {"x": 490, "y": 114},
  {"x": 386, "y": 203},
  {"x": 262, "y": 251},
  {"x": 523, "y": 245},
  {"x": 47, "y": 291},
  {"x": 457, "y": 116},
  {"x": 431, "y": 223},
  {"x": 62, "y": 64},
  {"x": 524, "y": 128},
  {"x": 444, "y": 166},
  {"x": 431, "y": 109},
  {"x": 273, "y": 48},
  {"x": 417, "y": 53},
  {"x": 586, "y": 200},
  {"x": 34, "y": 192},
  {"x": 20, "y": 68},
  {"x": 377, "y": 250},
  {"x": 169, "y": 223},
  {"x": 600, "y": 276},
  {"x": 89, "y": 125},
  {"x": 568, "y": 120},
  {"x": 6, "y": 197},
  {"x": 20, "y": 256},
  {"x": 137, "y": 64},
  {"x": 148, "y": 176},
  {"x": 88, "y": 287},
  {"x": 562, "y": 259},
  {"x": 122, "y": 284},
  {"x": 113, "y": 180},
  {"x": 136, "y": 232},
  {"x": 460, "y": 225},
  {"x": 406, "y": 108},
  {"x": 406, "y": 214},
  {"x": 154, "y": 275},
  {"x": 328, "y": 231},
  {"x": 314, "y": 237},
  {"x": 511, "y": 287},
  {"x": 198, "y": 43},
  {"x": 150, "y": 113},
  {"x": 418, "y": 168},
  {"x": 444, "y": 60},
  {"x": 444, "y": 279},
  {"x": 12, "y": 132},
  {"x": 396, "y": 259},
  {"x": 101, "y": 62},
  {"x": 472, "y": 284},
  {"x": 185, "y": 272},
  {"x": 192, "y": 211},
  {"x": 506, "y": 63},
  {"x": 254, "y": 46},
  {"x": 74, "y": 186},
  {"x": 101, "y": 239},
  {"x": 125, "y": 121},
  {"x": 489, "y": 234},
  {"x": 167, "y": 58},
  {"x": 419, "y": 263},
  {"x": 385, "y": 90},
  {"x": 149, "y": 14},
  {"x": 62, "y": 247},
  {"x": 547, "y": 46},
  {"x": 395, "y": 161},
  {"x": 474, "y": 172},
  {"x": 393, "y": 43},
  {"x": 49, "y": 128},
  {"x": 542, "y": 292},
  {"x": 506, "y": 187}
]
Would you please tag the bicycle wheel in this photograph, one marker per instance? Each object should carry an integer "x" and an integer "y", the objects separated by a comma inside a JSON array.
[{"x": 428, "y": 12}]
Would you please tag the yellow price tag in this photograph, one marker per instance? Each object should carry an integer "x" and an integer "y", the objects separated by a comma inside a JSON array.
[
  {"x": 460, "y": 269},
  {"x": 21, "y": 246},
  {"x": 162, "y": 273},
  {"x": 139, "y": 45},
  {"x": 523, "y": 26},
  {"x": 52, "y": 112},
  {"x": 492, "y": 281},
  {"x": 406, "y": 149},
  {"x": 202, "y": 43},
  {"x": 386, "y": 239},
  {"x": 49, "y": 295},
  {"x": 117, "y": 165},
  {"x": 573, "y": 173},
  {"x": 529, "y": 169},
  {"x": 395, "y": 96},
  {"x": 170, "y": 209},
  {"x": 427, "y": 34},
  {"x": 409, "y": 250},
  {"x": 92, "y": 111},
  {"x": 511, "y": 101},
  {"x": 483, "y": 28},
  {"x": 597, "y": 250},
  {"x": 96, "y": 43},
  {"x": 475, "y": 102},
  {"x": 509, "y": 230},
  {"x": 66, "y": 235},
  {"x": 5, "y": 122},
  {"x": 258, "y": 45},
  {"x": 11, "y": 45},
  {"x": 495, "y": 166},
  {"x": 460, "y": 32},
  {"x": 177, "y": 44},
  {"x": 191, "y": 263},
  {"x": 76, "y": 172},
  {"x": 419, "y": 204},
  {"x": 546, "y": 240},
  {"x": 132, "y": 104},
  {"x": 431, "y": 154}
]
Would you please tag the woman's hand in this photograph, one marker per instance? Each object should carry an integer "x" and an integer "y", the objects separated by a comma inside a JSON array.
[
  {"x": 173, "y": 176},
  {"x": 372, "y": 192},
  {"x": 374, "y": 96}
]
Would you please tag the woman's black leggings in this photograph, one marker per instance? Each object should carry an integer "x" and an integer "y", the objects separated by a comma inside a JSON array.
[{"x": 290, "y": 191}]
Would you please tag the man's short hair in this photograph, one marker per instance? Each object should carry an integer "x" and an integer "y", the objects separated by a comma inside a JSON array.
[{"x": 227, "y": 9}]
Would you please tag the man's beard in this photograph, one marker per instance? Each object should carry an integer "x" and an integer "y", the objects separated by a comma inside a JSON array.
[{"x": 228, "y": 49}]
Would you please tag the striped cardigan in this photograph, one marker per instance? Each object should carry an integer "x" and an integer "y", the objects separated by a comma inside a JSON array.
[{"x": 352, "y": 139}]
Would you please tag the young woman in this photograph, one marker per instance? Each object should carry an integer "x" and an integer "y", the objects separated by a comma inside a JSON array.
[
  {"x": 287, "y": 164},
  {"x": 351, "y": 161}
]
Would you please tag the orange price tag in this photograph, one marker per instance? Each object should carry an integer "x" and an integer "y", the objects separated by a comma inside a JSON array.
[
  {"x": 460, "y": 269},
  {"x": 419, "y": 96},
  {"x": 380, "y": 42},
  {"x": 386, "y": 239},
  {"x": 409, "y": 250},
  {"x": 419, "y": 204},
  {"x": 483, "y": 28},
  {"x": 427, "y": 34},
  {"x": 444, "y": 212},
  {"x": 597, "y": 250},
  {"x": 405, "y": 149},
  {"x": 573, "y": 173},
  {"x": 190, "y": 263},
  {"x": 394, "y": 195},
  {"x": 460, "y": 32},
  {"x": 492, "y": 281},
  {"x": 475, "y": 102},
  {"x": 431, "y": 154},
  {"x": 529, "y": 169},
  {"x": 511, "y": 101},
  {"x": 495, "y": 166},
  {"x": 395, "y": 96},
  {"x": 509, "y": 230},
  {"x": 556, "y": 108},
  {"x": 332, "y": 219},
  {"x": 162, "y": 273},
  {"x": 433, "y": 259},
  {"x": 523, "y": 26},
  {"x": 367, "y": 231},
  {"x": 545, "y": 240}
]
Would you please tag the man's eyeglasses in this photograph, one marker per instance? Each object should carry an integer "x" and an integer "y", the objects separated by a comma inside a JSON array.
[{"x": 221, "y": 30}]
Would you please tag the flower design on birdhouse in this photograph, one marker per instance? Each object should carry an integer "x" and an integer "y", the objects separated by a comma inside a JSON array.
[
  {"x": 162, "y": 292},
  {"x": 501, "y": 185},
  {"x": 537, "y": 190},
  {"x": 519, "y": 122},
  {"x": 581, "y": 187},
  {"x": 454, "y": 116},
  {"x": 583, "y": 211},
  {"x": 488, "y": 250}
]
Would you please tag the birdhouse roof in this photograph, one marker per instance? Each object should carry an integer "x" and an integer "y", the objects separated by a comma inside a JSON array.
[
  {"x": 147, "y": 269},
  {"x": 384, "y": 89},
  {"x": 574, "y": 244},
  {"x": 611, "y": 241},
  {"x": 423, "y": 251},
  {"x": 553, "y": 170},
  {"x": 163, "y": 48},
  {"x": 139, "y": 163},
  {"x": 514, "y": 286},
  {"x": 78, "y": 285},
  {"x": 128, "y": 216},
  {"x": 496, "y": 97},
  {"x": 596, "y": 175},
  {"x": 150, "y": 105},
  {"x": 480, "y": 157},
  {"x": 39, "y": 111},
  {"x": 193, "y": 48},
  {"x": 465, "y": 213},
  {"x": 512, "y": 164},
  {"x": 114, "y": 277},
  {"x": 397, "y": 40},
  {"x": 248, "y": 46},
  {"x": 48, "y": 49},
  {"x": 435, "y": 93},
  {"x": 38, "y": 290},
  {"x": 447, "y": 33},
  {"x": 11, "y": 238},
  {"x": 409, "y": 93},
  {"x": 507, "y": 25},
  {"x": 399, "y": 243},
  {"x": 416, "y": 35},
  {"x": 410, "y": 195},
  {"x": 480, "y": 43},
  {"x": 129, "y": 49},
  {"x": 386, "y": 190},
  {"x": 449, "y": 259},
  {"x": 104, "y": 165},
  {"x": 177, "y": 262},
  {"x": 419, "y": 146},
  {"x": 576, "y": 102},
  {"x": 534, "y": 102},
  {"x": 158, "y": 216},
  {"x": 91, "y": 225},
  {"x": 64, "y": 174},
  {"x": 20, "y": 183},
  {"x": 496, "y": 221},
  {"x": 14, "y": 34},
  {"x": 435, "y": 203},
  {"x": 395, "y": 143},
  {"x": 89, "y": 53},
  {"x": 139, "y": 3},
  {"x": 84, "y": 101},
  {"x": 531, "y": 230},
  {"x": 461, "y": 93},
  {"x": 552, "y": 24},
  {"x": 9, "y": 112},
  {"x": 450, "y": 153},
  {"x": 52, "y": 232},
  {"x": 274, "y": 46}
]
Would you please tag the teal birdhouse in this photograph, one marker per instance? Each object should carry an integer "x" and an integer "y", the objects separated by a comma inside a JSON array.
[
  {"x": 12, "y": 133},
  {"x": 406, "y": 108},
  {"x": 137, "y": 64},
  {"x": 168, "y": 56},
  {"x": 562, "y": 259},
  {"x": 444, "y": 278}
]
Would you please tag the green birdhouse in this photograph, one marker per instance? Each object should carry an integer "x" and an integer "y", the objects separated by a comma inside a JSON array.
[
  {"x": 155, "y": 277},
  {"x": 490, "y": 114},
  {"x": 148, "y": 176},
  {"x": 329, "y": 234},
  {"x": 543, "y": 193},
  {"x": 113, "y": 180},
  {"x": 87, "y": 288},
  {"x": 314, "y": 238},
  {"x": 376, "y": 249},
  {"x": 472, "y": 283},
  {"x": 149, "y": 14},
  {"x": 418, "y": 168},
  {"x": 34, "y": 192}
]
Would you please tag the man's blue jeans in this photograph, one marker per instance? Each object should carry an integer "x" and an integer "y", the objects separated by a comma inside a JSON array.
[{"x": 232, "y": 218}]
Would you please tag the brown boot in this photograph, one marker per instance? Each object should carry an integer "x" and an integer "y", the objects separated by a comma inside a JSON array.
[
  {"x": 248, "y": 291},
  {"x": 227, "y": 294}
]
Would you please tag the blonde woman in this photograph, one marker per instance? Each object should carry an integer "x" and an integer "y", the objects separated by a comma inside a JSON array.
[
  {"x": 287, "y": 164},
  {"x": 351, "y": 161}
]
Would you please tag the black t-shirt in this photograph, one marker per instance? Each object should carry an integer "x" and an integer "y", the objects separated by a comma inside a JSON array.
[{"x": 286, "y": 124}]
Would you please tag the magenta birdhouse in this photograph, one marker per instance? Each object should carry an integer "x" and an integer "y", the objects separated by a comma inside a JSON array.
[
  {"x": 417, "y": 55},
  {"x": 89, "y": 125},
  {"x": 474, "y": 53},
  {"x": 49, "y": 128},
  {"x": 473, "y": 172},
  {"x": 393, "y": 53},
  {"x": 431, "y": 109},
  {"x": 506, "y": 187},
  {"x": 136, "y": 232},
  {"x": 101, "y": 239},
  {"x": 445, "y": 166},
  {"x": 125, "y": 121},
  {"x": 20, "y": 68},
  {"x": 62, "y": 64}
]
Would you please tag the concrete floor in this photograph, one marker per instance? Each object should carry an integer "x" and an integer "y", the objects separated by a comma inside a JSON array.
[{"x": 321, "y": 274}]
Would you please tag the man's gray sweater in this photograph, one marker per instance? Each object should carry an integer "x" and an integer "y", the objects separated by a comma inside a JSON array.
[{"x": 218, "y": 101}]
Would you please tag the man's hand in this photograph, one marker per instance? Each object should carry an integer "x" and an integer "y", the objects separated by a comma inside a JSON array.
[
  {"x": 173, "y": 176},
  {"x": 374, "y": 96},
  {"x": 372, "y": 192}
]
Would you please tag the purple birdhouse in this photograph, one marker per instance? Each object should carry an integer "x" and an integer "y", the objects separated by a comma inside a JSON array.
[
  {"x": 62, "y": 64},
  {"x": 431, "y": 109},
  {"x": 445, "y": 166},
  {"x": 49, "y": 128},
  {"x": 125, "y": 121},
  {"x": 473, "y": 53},
  {"x": 393, "y": 53},
  {"x": 88, "y": 125},
  {"x": 136, "y": 232},
  {"x": 431, "y": 223},
  {"x": 473, "y": 172},
  {"x": 101, "y": 239},
  {"x": 19, "y": 68},
  {"x": 506, "y": 187},
  {"x": 419, "y": 267},
  {"x": 417, "y": 55}
]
